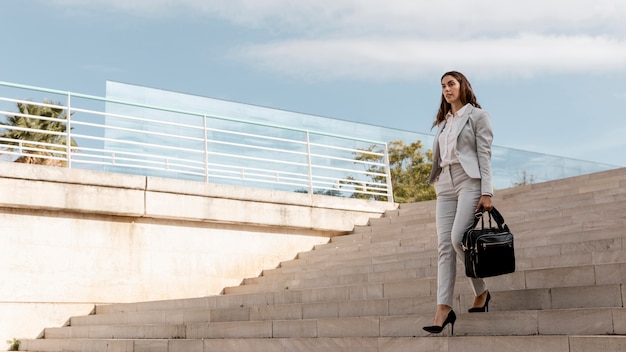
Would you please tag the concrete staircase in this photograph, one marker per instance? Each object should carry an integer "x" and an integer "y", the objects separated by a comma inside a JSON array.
[{"x": 374, "y": 289}]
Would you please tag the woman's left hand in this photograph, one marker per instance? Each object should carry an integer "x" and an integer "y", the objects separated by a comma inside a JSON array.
[{"x": 485, "y": 203}]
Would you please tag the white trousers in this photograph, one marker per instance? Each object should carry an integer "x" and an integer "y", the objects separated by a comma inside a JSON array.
[{"x": 457, "y": 197}]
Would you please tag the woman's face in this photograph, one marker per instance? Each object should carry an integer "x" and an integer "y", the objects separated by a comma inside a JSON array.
[{"x": 450, "y": 88}]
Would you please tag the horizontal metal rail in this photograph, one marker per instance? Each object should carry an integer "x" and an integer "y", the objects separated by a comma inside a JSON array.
[{"x": 127, "y": 137}]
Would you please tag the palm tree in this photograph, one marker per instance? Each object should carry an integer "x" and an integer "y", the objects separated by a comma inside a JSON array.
[{"x": 28, "y": 132}]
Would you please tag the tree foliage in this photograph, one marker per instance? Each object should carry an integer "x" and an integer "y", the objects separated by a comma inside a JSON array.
[
  {"x": 37, "y": 146},
  {"x": 409, "y": 168}
]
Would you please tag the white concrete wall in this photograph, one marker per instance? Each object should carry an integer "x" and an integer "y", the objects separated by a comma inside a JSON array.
[{"x": 74, "y": 238}]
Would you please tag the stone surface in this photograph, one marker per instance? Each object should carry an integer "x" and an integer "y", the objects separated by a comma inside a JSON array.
[{"x": 374, "y": 290}]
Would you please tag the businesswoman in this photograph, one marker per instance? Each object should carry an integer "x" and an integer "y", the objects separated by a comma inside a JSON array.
[{"x": 461, "y": 174}]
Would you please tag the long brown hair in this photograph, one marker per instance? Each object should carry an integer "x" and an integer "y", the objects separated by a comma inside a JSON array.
[{"x": 466, "y": 95}]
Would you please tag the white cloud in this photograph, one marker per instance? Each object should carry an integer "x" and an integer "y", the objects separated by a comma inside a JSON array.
[
  {"x": 394, "y": 58},
  {"x": 407, "y": 38},
  {"x": 374, "y": 16}
]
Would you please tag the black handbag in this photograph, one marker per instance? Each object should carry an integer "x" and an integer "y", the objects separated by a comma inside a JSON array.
[{"x": 489, "y": 251}]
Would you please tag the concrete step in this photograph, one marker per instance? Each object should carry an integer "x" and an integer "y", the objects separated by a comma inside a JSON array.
[
  {"x": 596, "y": 296},
  {"x": 579, "y": 184},
  {"x": 575, "y": 276},
  {"x": 574, "y": 343},
  {"x": 293, "y": 284},
  {"x": 586, "y": 213},
  {"x": 410, "y": 296},
  {"x": 582, "y": 240},
  {"x": 423, "y": 264},
  {"x": 520, "y": 213},
  {"x": 588, "y": 321},
  {"x": 601, "y": 193},
  {"x": 535, "y": 224},
  {"x": 571, "y": 243}
]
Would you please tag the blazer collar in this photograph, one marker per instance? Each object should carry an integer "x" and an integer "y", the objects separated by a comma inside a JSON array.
[{"x": 468, "y": 111}]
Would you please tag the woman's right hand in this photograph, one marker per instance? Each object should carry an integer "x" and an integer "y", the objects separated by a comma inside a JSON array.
[{"x": 485, "y": 203}]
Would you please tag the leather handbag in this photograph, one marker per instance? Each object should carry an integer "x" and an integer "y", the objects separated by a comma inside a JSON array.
[{"x": 489, "y": 251}]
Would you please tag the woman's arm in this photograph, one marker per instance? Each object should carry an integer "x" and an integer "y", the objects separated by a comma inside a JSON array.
[{"x": 484, "y": 138}]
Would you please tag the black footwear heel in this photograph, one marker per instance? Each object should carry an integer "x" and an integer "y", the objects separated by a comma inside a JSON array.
[
  {"x": 484, "y": 308},
  {"x": 435, "y": 329}
]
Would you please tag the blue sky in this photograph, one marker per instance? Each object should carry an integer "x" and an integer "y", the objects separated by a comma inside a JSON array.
[{"x": 552, "y": 74}]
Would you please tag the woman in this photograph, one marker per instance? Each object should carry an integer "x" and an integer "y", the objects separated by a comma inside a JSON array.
[{"x": 461, "y": 174}]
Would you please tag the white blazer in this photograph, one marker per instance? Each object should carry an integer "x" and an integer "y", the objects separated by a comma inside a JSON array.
[{"x": 473, "y": 148}]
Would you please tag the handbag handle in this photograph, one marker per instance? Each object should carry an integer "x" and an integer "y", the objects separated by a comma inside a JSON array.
[{"x": 493, "y": 213}]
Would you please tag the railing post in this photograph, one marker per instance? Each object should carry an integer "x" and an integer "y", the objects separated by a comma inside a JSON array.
[
  {"x": 206, "y": 149},
  {"x": 68, "y": 132},
  {"x": 388, "y": 173},
  {"x": 309, "y": 161}
]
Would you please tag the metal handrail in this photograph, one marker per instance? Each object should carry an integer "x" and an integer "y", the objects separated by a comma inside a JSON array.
[{"x": 137, "y": 142}]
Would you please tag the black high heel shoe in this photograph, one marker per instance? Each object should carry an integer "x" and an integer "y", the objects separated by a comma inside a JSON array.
[
  {"x": 484, "y": 308},
  {"x": 450, "y": 319}
]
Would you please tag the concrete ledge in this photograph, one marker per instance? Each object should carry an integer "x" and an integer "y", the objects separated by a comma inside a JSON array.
[
  {"x": 83, "y": 191},
  {"x": 223, "y": 203},
  {"x": 21, "y": 171},
  {"x": 62, "y": 189},
  {"x": 75, "y": 238}
]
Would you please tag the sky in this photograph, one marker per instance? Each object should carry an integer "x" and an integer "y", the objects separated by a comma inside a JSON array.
[{"x": 551, "y": 74}]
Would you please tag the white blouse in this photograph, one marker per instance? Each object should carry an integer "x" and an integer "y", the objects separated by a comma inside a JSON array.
[{"x": 447, "y": 140}]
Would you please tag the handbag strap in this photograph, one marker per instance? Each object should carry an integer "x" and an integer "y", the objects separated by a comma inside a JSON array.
[
  {"x": 493, "y": 213},
  {"x": 478, "y": 215},
  {"x": 497, "y": 216}
]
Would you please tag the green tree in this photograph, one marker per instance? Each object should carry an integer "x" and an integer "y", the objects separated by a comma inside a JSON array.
[
  {"x": 409, "y": 168},
  {"x": 30, "y": 131}
]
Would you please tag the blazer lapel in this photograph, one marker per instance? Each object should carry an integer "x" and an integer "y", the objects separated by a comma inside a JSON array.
[
  {"x": 464, "y": 119},
  {"x": 442, "y": 125}
]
